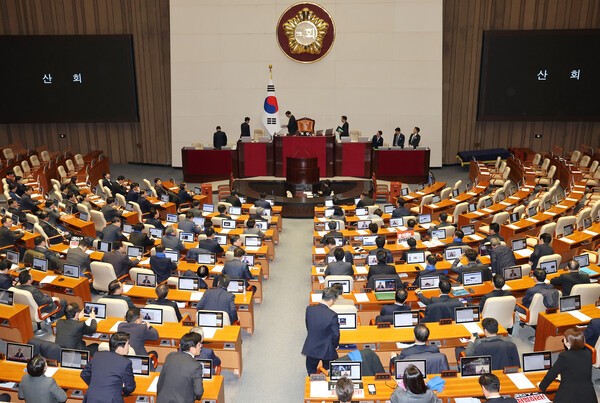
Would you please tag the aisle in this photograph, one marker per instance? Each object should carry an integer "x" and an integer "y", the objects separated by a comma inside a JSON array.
[{"x": 274, "y": 369}]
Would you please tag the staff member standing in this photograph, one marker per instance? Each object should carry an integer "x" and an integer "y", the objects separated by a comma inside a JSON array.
[
  {"x": 323, "y": 329},
  {"x": 398, "y": 138},
  {"x": 292, "y": 125},
  {"x": 415, "y": 137},
  {"x": 220, "y": 138},
  {"x": 344, "y": 129},
  {"x": 377, "y": 140},
  {"x": 245, "y": 128}
]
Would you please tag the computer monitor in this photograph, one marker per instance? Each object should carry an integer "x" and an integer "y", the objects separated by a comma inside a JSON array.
[
  {"x": 347, "y": 321},
  {"x": 468, "y": 229},
  {"x": 208, "y": 208},
  {"x": 420, "y": 186},
  {"x": 173, "y": 255},
  {"x": 436, "y": 199},
  {"x": 221, "y": 239},
  {"x": 363, "y": 224},
  {"x": 567, "y": 230},
  {"x": 519, "y": 244},
  {"x": 233, "y": 210},
  {"x": 475, "y": 365},
  {"x": 424, "y": 218},
  {"x": 388, "y": 209},
  {"x": 7, "y": 297},
  {"x": 514, "y": 217},
  {"x": 145, "y": 280},
  {"x": 474, "y": 277},
  {"x": 372, "y": 260},
  {"x": 466, "y": 314},
  {"x": 39, "y": 264},
  {"x": 406, "y": 318},
  {"x": 74, "y": 359},
  {"x": 429, "y": 282},
  {"x": 328, "y": 212},
  {"x": 206, "y": 258},
  {"x": 547, "y": 205},
  {"x": 268, "y": 212},
  {"x": 186, "y": 237},
  {"x": 344, "y": 283},
  {"x": 404, "y": 191},
  {"x": 356, "y": 200},
  {"x": 199, "y": 221},
  {"x": 12, "y": 257},
  {"x": 98, "y": 309},
  {"x": 156, "y": 233},
  {"x": 28, "y": 226},
  {"x": 135, "y": 251},
  {"x": 415, "y": 257},
  {"x": 570, "y": 303},
  {"x": 369, "y": 240},
  {"x": 210, "y": 319},
  {"x": 452, "y": 253},
  {"x": 15, "y": 219},
  {"x": 455, "y": 192},
  {"x": 537, "y": 361},
  {"x": 252, "y": 241},
  {"x": 531, "y": 211},
  {"x": 471, "y": 207},
  {"x": 164, "y": 198},
  {"x": 468, "y": 186},
  {"x": 207, "y": 365},
  {"x": 71, "y": 270},
  {"x": 18, "y": 352},
  {"x": 500, "y": 197},
  {"x": 140, "y": 364},
  {"x": 385, "y": 284},
  {"x": 242, "y": 199},
  {"x": 172, "y": 218},
  {"x": 361, "y": 211},
  {"x": 228, "y": 224},
  {"x": 349, "y": 369},
  {"x": 587, "y": 222},
  {"x": 84, "y": 216},
  {"x": 105, "y": 246},
  {"x": 488, "y": 202},
  {"x": 237, "y": 286},
  {"x": 128, "y": 207},
  {"x": 69, "y": 208},
  {"x": 249, "y": 259},
  {"x": 262, "y": 225},
  {"x": 438, "y": 233},
  {"x": 152, "y": 315},
  {"x": 401, "y": 365},
  {"x": 187, "y": 283},
  {"x": 127, "y": 228},
  {"x": 197, "y": 191},
  {"x": 583, "y": 260},
  {"x": 549, "y": 267},
  {"x": 328, "y": 202},
  {"x": 396, "y": 222},
  {"x": 512, "y": 273}
]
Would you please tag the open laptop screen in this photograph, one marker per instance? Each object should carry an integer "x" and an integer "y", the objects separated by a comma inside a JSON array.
[
  {"x": 156, "y": 232},
  {"x": 187, "y": 283},
  {"x": 415, "y": 257},
  {"x": 135, "y": 251},
  {"x": 145, "y": 280},
  {"x": 537, "y": 361},
  {"x": 472, "y": 277},
  {"x": 173, "y": 255},
  {"x": 18, "y": 352},
  {"x": 236, "y": 286},
  {"x": 140, "y": 364},
  {"x": 347, "y": 321},
  {"x": 206, "y": 258},
  {"x": 344, "y": 283},
  {"x": 249, "y": 259},
  {"x": 7, "y": 297},
  {"x": 570, "y": 303},
  {"x": 186, "y": 236},
  {"x": 466, "y": 314},
  {"x": 406, "y": 318},
  {"x": 519, "y": 244},
  {"x": 208, "y": 208},
  {"x": 512, "y": 273},
  {"x": 549, "y": 267},
  {"x": 252, "y": 241},
  {"x": 70, "y": 270},
  {"x": 221, "y": 239},
  {"x": 438, "y": 233},
  {"x": 583, "y": 260},
  {"x": 401, "y": 365},
  {"x": 210, "y": 319},
  {"x": 235, "y": 210},
  {"x": 476, "y": 365},
  {"x": 199, "y": 221},
  {"x": 348, "y": 369},
  {"x": 424, "y": 218},
  {"x": 228, "y": 224},
  {"x": 429, "y": 282},
  {"x": 369, "y": 240},
  {"x": 360, "y": 211},
  {"x": 105, "y": 246},
  {"x": 39, "y": 264},
  {"x": 172, "y": 218},
  {"x": 363, "y": 224},
  {"x": 468, "y": 229},
  {"x": 75, "y": 359},
  {"x": 453, "y": 253},
  {"x": 396, "y": 222},
  {"x": 385, "y": 284},
  {"x": 207, "y": 365}
]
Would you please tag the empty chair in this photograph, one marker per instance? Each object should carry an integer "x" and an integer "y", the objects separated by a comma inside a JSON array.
[
  {"x": 79, "y": 161},
  {"x": 35, "y": 161},
  {"x": 102, "y": 273},
  {"x": 26, "y": 167},
  {"x": 45, "y": 156},
  {"x": 589, "y": 293},
  {"x": 575, "y": 156},
  {"x": 121, "y": 201},
  {"x": 424, "y": 201},
  {"x": 70, "y": 167},
  {"x": 115, "y": 308},
  {"x": 32, "y": 218},
  {"x": 98, "y": 219},
  {"x": 24, "y": 297},
  {"x": 548, "y": 179},
  {"x": 344, "y": 308},
  {"x": 445, "y": 193},
  {"x": 582, "y": 215},
  {"x": 482, "y": 201},
  {"x": 17, "y": 170},
  {"x": 457, "y": 184},
  {"x": 458, "y": 210},
  {"x": 8, "y": 153},
  {"x": 500, "y": 180},
  {"x": 544, "y": 167},
  {"x": 226, "y": 204},
  {"x": 584, "y": 162},
  {"x": 536, "y": 160},
  {"x": 138, "y": 210},
  {"x": 64, "y": 178},
  {"x": 562, "y": 222},
  {"x": 502, "y": 309}
]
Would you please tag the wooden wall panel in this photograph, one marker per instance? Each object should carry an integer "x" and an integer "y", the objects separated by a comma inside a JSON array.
[
  {"x": 147, "y": 141},
  {"x": 464, "y": 23}
]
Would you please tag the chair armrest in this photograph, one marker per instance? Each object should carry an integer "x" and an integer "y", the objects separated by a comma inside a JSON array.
[
  {"x": 218, "y": 370},
  {"x": 123, "y": 277},
  {"x": 56, "y": 309},
  {"x": 185, "y": 318},
  {"x": 593, "y": 350},
  {"x": 525, "y": 309},
  {"x": 462, "y": 354},
  {"x": 322, "y": 370},
  {"x": 236, "y": 323}
]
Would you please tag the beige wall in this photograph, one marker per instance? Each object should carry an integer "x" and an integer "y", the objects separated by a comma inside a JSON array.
[{"x": 384, "y": 70}]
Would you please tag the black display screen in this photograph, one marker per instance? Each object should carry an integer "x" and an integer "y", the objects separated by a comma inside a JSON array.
[
  {"x": 551, "y": 75},
  {"x": 67, "y": 79}
]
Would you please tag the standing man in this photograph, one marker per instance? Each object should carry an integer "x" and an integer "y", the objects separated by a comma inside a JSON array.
[
  {"x": 245, "y": 127},
  {"x": 219, "y": 139},
  {"x": 415, "y": 137},
  {"x": 377, "y": 140},
  {"x": 180, "y": 379},
  {"x": 110, "y": 374},
  {"x": 292, "y": 126},
  {"x": 344, "y": 130},
  {"x": 323, "y": 336},
  {"x": 398, "y": 138}
]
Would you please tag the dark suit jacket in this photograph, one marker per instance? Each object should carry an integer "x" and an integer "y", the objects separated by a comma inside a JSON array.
[
  {"x": 210, "y": 245},
  {"x": 331, "y": 234},
  {"x": 109, "y": 213},
  {"x": 245, "y": 130},
  {"x": 418, "y": 349},
  {"x": 345, "y": 130},
  {"x": 132, "y": 196},
  {"x": 539, "y": 250},
  {"x": 112, "y": 233},
  {"x": 109, "y": 376},
  {"x": 376, "y": 142},
  {"x": 77, "y": 257},
  {"x": 139, "y": 333},
  {"x": 6, "y": 281},
  {"x": 348, "y": 258},
  {"x": 292, "y": 125},
  {"x": 219, "y": 299},
  {"x": 234, "y": 201},
  {"x": 39, "y": 297},
  {"x": 529, "y": 294},
  {"x": 367, "y": 201},
  {"x": 263, "y": 203},
  {"x": 172, "y": 242},
  {"x": 504, "y": 352},
  {"x": 155, "y": 222},
  {"x": 568, "y": 280},
  {"x": 236, "y": 269},
  {"x": 219, "y": 139},
  {"x": 140, "y": 239},
  {"x": 401, "y": 212},
  {"x": 49, "y": 229},
  {"x": 162, "y": 267},
  {"x": 395, "y": 307},
  {"x": 69, "y": 332},
  {"x": 339, "y": 269},
  {"x": 180, "y": 379},
  {"x": 173, "y": 304},
  {"x": 120, "y": 262},
  {"x": 209, "y": 354},
  {"x": 495, "y": 293},
  {"x": 501, "y": 257},
  {"x": 592, "y": 332},
  {"x": 399, "y": 140},
  {"x": 145, "y": 204},
  {"x": 575, "y": 369},
  {"x": 439, "y": 307},
  {"x": 27, "y": 203},
  {"x": 9, "y": 237},
  {"x": 323, "y": 336},
  {"x": 130, "y": 304},
  {"x": 414, "y": 139},
  {"x": 381, "y": 268},
  {"x": 390, "y": 257}
]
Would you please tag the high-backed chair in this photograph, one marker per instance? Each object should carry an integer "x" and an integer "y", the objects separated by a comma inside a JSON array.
[
  {"x": 35, "y": 161},
  {"x": 98, "y": 219},
  {"x": 536, "y": 160},
  {"x": 424, "y": 201},
  {"x": 79, "y": 161},
  {"x": 590, "y": 293},
  {"x": 584, "y": 161},
  {"x": 115, "y": 308},
  {"x": 169, "y": 314},
  {"x": 562, "y": 222},
  {"x": 502, "y": 309},
  {"x": 121, "y": 201},
  {"x": 548, "y": 179},
  {"x": 457, "y": 184},
  {"x": 138, "y": 210},
  {"x": 499, "y": 218},
  {"x": 549, "y": 258},
  {"x": 458, "y": 210},
  {"x": 499, "y": 181},
  {"x": 481, "y": 202},
  {"x": 102, "y": 273},
  {"x": 24, "y": 297},
  {"x": 445, "y": 193},
  {"x": 134, "y": 271}
]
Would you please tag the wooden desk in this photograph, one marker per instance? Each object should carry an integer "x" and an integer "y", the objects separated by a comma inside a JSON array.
[
  {"x": 413, "y": 169},
  {"x": 572, "y": 245},
  {"x": 448, "y": 205},
  {"x": 255, "y": 159},
  {"x": 303, "y": 147},
  {"x": 15, "y": 323},
  {"x": 207, "y": 165},
  {"x": 551, "y": 327},
  {"x": 71, "y": 289},
  {"x": 353, "y": 159},
  {"x": 77, "y": 226}
]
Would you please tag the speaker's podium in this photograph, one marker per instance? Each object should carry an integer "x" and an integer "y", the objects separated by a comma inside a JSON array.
[{"x": 302, "y": 174}]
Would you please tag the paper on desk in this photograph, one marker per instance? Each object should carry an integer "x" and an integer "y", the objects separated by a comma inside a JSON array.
[
  {"x": 472, "y": 193},
  {"x": 473, "y": 327},
  {"x": 420, "y": 193},
  {"x": 475, "y": 237},
  {"x": 89, "y": 252},
  {"x": 454, "y": 200},
  {"x": 426, "y": 226},
  {"x": 322, "y": 219},
  {"x": 224, "y": 231},
  {"x": 218, "y": 268},
  {"x": 145, "y": 261},
  {"x": 404, "y": 244},
  {"x": 433, "y": 205},
  {"x": 515, "y": 198},
  {"x": 512, "y": 226},
  {"x": 209, "y": 332},
  {"x": 363, "y": 232},
  {"x": 316, "y": 297},
  {"x": 319, "y": 389},
  {"x": 506, "y": 287},
  {"x": 321, "y": 233},
  {"x": 50, "y": 371},
  {"x": 466, "y": 400},
  {"x": 115, "y": 327},
  {"x": 252, "y": 248},
  {"x": 362, "y": 270},
  {"x": 320, "y": 251},
  {"x": 571, "y": 199},
  {"x": 180, "y": 304},
  {"x": 361, "y": 297},
  {"x": 7, "y": 385},
  {"x": 521, "y": 381},
  {"x": 550, "y": 213},
  {"x": 321, "y": 279},
  {"x": 505, "y": 203},
  {"x": 48, "y": 279},
  {"x": 127, "y": 288},
  {"x": 196, "y": 295},
  {"x": 524, "y": 252},
  {"x": 421, "y": 305},
  {"x": 487, "y": 210},
  {"x": 14, "y": 266},
  {"x": 567, "y": 240},
  {"x": 533, "y": 220},
  {"x": 391, "y": 229},
  {"x": 579, "y": 315},
  {"x": 479, "y": 213},
  {"x": 592, "y": 233},
  {"x": 153, "y": 386}
]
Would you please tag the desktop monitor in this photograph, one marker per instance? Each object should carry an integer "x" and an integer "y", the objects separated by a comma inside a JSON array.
[
  {"x": 512, "y": 273},
  {"x": 567, "y": 230},
  {"x": 28, "y": 226},
  {"x": 74, "y": 359},
  {"x": 105, "y": 246},
  {"x": 474, "y": 277},
  {"x": 84, "y": 216},
  {"x": 363, "y": 224},
  {"x": 207, "y": 365},
  {"x": 237, "y": 286},
  {"x": 152, "y": 315},
  {"x": 406, "y": 318},
  {"x": 547, "y": 205},
  {"x": 228, "y": 224},
  {"x": 71, "y": 270},
  {"x": 127, "y": 228},
  {"x": 208, "y": 208},
  {"x": 186, "y": 237},
  {"x": 519, "y": 244},
  {"x": 140, "y": 364},
  {"x": 385, "y": 284},
  {"x": 164, "y": 198},
  {"x": 221, "y": 239},
  {"x": 262, "y": 225},
  {"x": 347, "y": 321},
  {"x": 468, "y": 229},
  {"x": 7, "y": 297},
  {"x": 549, "y": 267},
  {"x": 401, "y": 365},
  {"x": 199, "y": 221},
  {"x": 488, "y": 202},
  {"x": 369, "y": 240},
  {"x": 249, "y": 259},
  {"x": 531, "y": 211},
  {"x": 173, "y": 255},
  {"x": 12, "y": 257},
  {"x": 187, "y": 283},
  {"x": 349, "y": 369},
  {"x": 438, "y": 233},
  {"x": 360, "y": 211},
  {"x": 472, "y": 207},
  {"x": 415, "y": 257},
  {"x": 39, "y": 264},
  {"x": 537, "y": 361},
  {"x": 344, "y": 283},
  {"x": 436, "y": 199},
  {"x": 388, "y": 209},
  {"x": 98, "y": 309},
  {"x": 587, "y": 222},
  {"x": 452, "y": 253},
  {"x": 514, "y": 217},
  {"x": 206, "y": 258},
  {"x": 156, "y": 233},
  {"x": 466, "y": 314},
  {"x": 455, "y": 192},
  {"x": 145, "y": 280},
  {"x": 69, "y": 208},
  {"x": 475, "y": 366},
  {"x": 424, "y": 218},
  {"x": 328, "y": 202},
  {"x": 210, "y": 319},
  {"x": 18, "y": 352},
  {"x": 429, "y": 282},
  {"x": 583, "y": 260},
  {"x": 570, "y": 303},
  {"x": 135, "y": 251},
  {"x": 172, "y": 218},
  {"x": 128, "y": 207},
  {"x": 404, "y": 191},
  {"x": 197, "y": 191},
  {"x": 233, "y": 210},
  {"x": 372, "y": 260},
  {"x": 396, "y": 222},
  {"x": 328, "y": 212},
  {"x": 252, "y": 241}
]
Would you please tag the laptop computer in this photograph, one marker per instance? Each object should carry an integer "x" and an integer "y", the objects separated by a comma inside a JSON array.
[
  {"x": 347, "y": 321},
  {"x": 488, "y": 202},
  {"x": 549, "y": 267},
  {"x": 187, "y": 283},
  {"x": 237, "y": 286},
  {"x": 328, "y": 212},
  {"x": 349, "y": 369},
  {"x": 207, "y": 366},
  {"x": 127, "y": 228},
  {"x": 385, "y": 289},
  {"x": 171, "y": 218},
  {"x": 468, "y": 229},
  {"x": 252, "y": 241},
  {"x": 208, "y": 208},
  {"x": 415, "y": 257},
  {"x": 164, "y": 198},
  {"x": 537, "y": 361},
  {"x": 84, "y": 216},
  {"x": 74, "y": 359},
  {"x": 7, "y": 297},
  {"x": 471, "y": 207},
  {"x": 466, "y": 314},
  {"x": 436, "y": 199},
  {"x": 401, "y": 365},
  {"x": 570, "y": 303},
  {"x": 13, "y": 257},
  {"x": 135, "y": 252},
  {"x": 228, "y": 224},
  {"x": 424, "y": 219},
  {"x": 221, "y": 239},
  {"x": 475, "y": 366},
  {"x": 263, "y": 225},
  {"x": 512, "y": 273},
  {"x": 388, "y": 208},
  {"x": 452, "y": 254},
  {"x": 520, "y": 245},
  {"x": 396, "y": 222},
  {"x": 531, "y": 211},
  {"x": 199, "y": 221},
  {"x": 344, "y": 283},
  {"x": 105, "y": 246},
  {"x": 583, "y": 260},
  {"x": 98, "y": 309},
  {"x": 568, "y": 230},
  {"x": 455, "y": 192},
  {"x": 156, "y": 233},
  {"x": 514, "y": 217},
  {"x": 249, "y": 259},
  {"x": 233, "y": 210},
  {"x": 404, "y": 191},
  {"x": 173, "y": 255},
  {"x": 406, "y": 318},
  {"x": 18, "y": 352},
  {"x": 129, "y": 207},
  {"x": 363, "y": 224},
  {"x": 429, "y": 282},
  {"x": 209, "y": 319},
  {"x": 71, "y": 270},
  {"x": 140, "y": 364},
  {"x": 152, "y": 315},
  {"x": 145, "y": 280},
  {"x": 474, "y": 277},
  {"x": 206, "y": 258},
  {"x": 369, "y": 240},
  {"x": 372, "y": 260},
  {"x": 438, "y": 233},
  {"x": 328, "y": 202},
  {"x": 39, "y": 264},
  {"x": 186, "y": 237}
]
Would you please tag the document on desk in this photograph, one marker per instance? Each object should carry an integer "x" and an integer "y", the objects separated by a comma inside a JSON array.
[
  {"x": 475, "y": 237},
  {"x": 48, "y": 279},
  {"x": 361, "y": 297},
  {"x": 487, "y": 210},
  {"x": 322, "y": 219},
  {"x": 127, "y": 288},
  {"x": 363, "y": 232},
  {"x": 224, "y": 231},
  {"x": 320, "y": 251},
  {"x": 50, "y": 371},
  {"x": 145, "y": 262},
  {"x": 196, "y": 296},
  {"x": 153, "y": 386},
  {"x": 319, "y": 389},
  {"x": 567, "y": 240},
  {"x": 115, "y": 327},
  {"x": 218, "y": 268},
  {"x": 7, "y": 385},
  {"x": 89, "y": 252},
  {"x": 252, "y": 248},
  {"x": 209, "y": 332},
  {"x": 533, "y": 220},
  {"x": 579, "y": 315},
  {"x": 524, "y": 252},
  {"x": 433, "y": 205},
  {"x": 592, "y": 233},
  {"x": 391, "y": 229},
  {"x": 454, "y": 200},
  {"x": 321, "y": 233},
  {"x": 466, "y": 400},
  {"x": 362, "y": 270},
  {"x": 473, "y": 327},
  {"x": 316, "y": 297},
  {"x": 512, "y": 226},
  {"x": 521, "y": 381}
]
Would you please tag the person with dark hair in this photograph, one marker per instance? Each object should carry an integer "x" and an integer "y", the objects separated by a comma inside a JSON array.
[
  {"x": 373, "y": 227},
  {"x": 115, "y": 291},
  {"x": 41, "y": 246},
  {"x": 575, "y": 369},
  {"x": 338, "y": 214},
  {"x": 161, "y": 265},
  {"x": 430, "y": 269},
  {"x": 54, "y": 234},
  {"x": 292, "y": 125},
  {"x": 262, "y": 201},
  {"x": 25, "y": 284},
  {"x": 109, "y": 210},
  {"x": 112, "y": 232},
  {"x": 344, "y": 129},
  {"x": 235, "y": 242},
  {"x": 70, "y": 331},
  {"x": 441, "y": 225},
  {"x": 120, "y": 186},
  {"x": 139, "y": 331},
  {"x": 344, "y": 390},
  {"x": 162, "y": 292},
  {"x": 170, "y": 240},
  {"x": 399, "y": 138},
  {"x": 380, "y": 243},
  {"x": 398, "y": 305},
  {"x": 365, "y": 200},
  {"x": 162, "y": 190},
  {"x": 206, "y": 353},
  {"x": 501, "y": 256},
  {"x": 219, "y": 299},
  {"x": 339, "y": 267},
  {"x": 219, "y": 139},
  {"x": 154, "y": 219},
  {"x": 573, "y": 277},
  {"x": 27, "y": 203},
  {"x": 457, "y": 240},
  {"x": 381, "y": 267},
  {"x": 547, "y": 290},
  {"x": 540, "y": 250},
  {"x": 377, "y": 140},
  {"x": 188, "y": 224},
  {"x": 77, "y": 256},
  {"x": 412, "y": 247},
  {"x": 331, "y": 246},
  {"x": 416, "y": 390},
  {"x": 333, "y": 232},
  {"x": 119, "y": 260},
  {"x": 38, "y": 388},
  {"x": 245, "y": 127},
  {"x": 490, "y": 387},
  {"x": 143, "y": 202},
  {"x": 494, "y": 231},
  {"x": 134, "y": 193},
  {"x": 180, "y": 379},
  {"x": 499, "y": 283},
  {"x": 252, "y": 229},
  {"x": 222, "y": 209},
  {"x": 473, "y": 263},
  {"x": 323, "y": 329},
  {"x": 6, "y": 280},
  {"x": 9, "y": 237},
  {"x": 421, "y": 332},
  {"x": 234, "y": 199},
  {"x": 139, "y": 238},
  {"x": 237, "y": 268},
  {"x": 210, "y": 243},
  {"x": 415, "y": 137},
  {"x": 442, "y": 305},
  {"x": 110, "y": 374},
  {"x": 503, "y": 351}
]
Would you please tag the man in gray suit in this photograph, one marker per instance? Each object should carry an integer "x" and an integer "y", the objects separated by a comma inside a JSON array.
[
  {"x": 170, "y": 240},
  {"x": 25, "y": 281},
  {"x": 339, "y": 267},
  {"x": 236, "y": 268},
  {"x": 112, "y": 232},
  {"x": 188, "y": 224},
  {"x": 252, "y": 229},
  {"x": 77, "y": 256},
  {"x": 180, "y": 379},
  {"x": 119, "y": 260},
  {"x": 139, "y": 332},
  {"x": 70, "y": 331},
  {"x": 219, "y": 299},
  {"x": 35, "y": 387}
]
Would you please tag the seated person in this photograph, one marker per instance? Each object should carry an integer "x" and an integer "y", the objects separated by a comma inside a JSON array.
[
  {"x": 139, "y": 331},
  {"x": 237, "y": 268},
  {"x": 134, "y": 192},
  {"x": 37, "y": 387},
  {"x": 25, "y": 284},
  {"x": 154, "y": 219},
  {"x": 540, "y": 250},
  {"x": 439, "y": 307},
  {"x": 573, "y": 277},
  {"x": 196, "y": 211},
  {"x": 412, "y": 247},
  {"x": 188, "y": 224},
  {"x": 421, "y": 332},
  {"x": 339, "y": 267},
  {"x": 112, "y": 232},
  {"x": 442, "y": 224},
  {"x": 499, "y": 283},
  {"x": 143, "y": 202},
  {"x": 170, "y": 240},
  {"x": 71, "y": 329},
  {"x": 381, "y": 267},
  {"x": 400, "y": 210},
  {"x": 115, "y": 291},
  {"x": 222, "y": 209},
  {"x": 365, "y": 200},
  {"x": 206, "y": 353},
  {"x": 119, "y": 260},
  {"x": 430, "y": 269},
  {"x": 219, "y": 299},
  {"x": 233, "y": 199},
  {"x": 331, "y": 247},
  {"x": 370, "y": 362},
  {"x": 592, "y": 332},
  {"x": 6, "y": 280},
  {"x": 252, "y": 229},
  {"x": 210, "y": 243},
  {"x": 398, "y": 306},
  {"x": 333, "y": 232},
  {"x": 138, "y": 238},
  {"x": 41, "y": 246},
  {"x": 380, "y": 243},
  {"x": 338, "y": 214},
  {"x": 373, "y": 228},
  {"x": 547, "y": 290},
  {"x": 201, "y": 274},
  {"x": 162, "y": 292},
  {"x": 490, "y": 386},
  {"x": 377, "y": 214},
  {"x": 184, "y": 195},
  {"x": 473, "y": 263},
  {"x": 457, "y": 240},
  {"x": 494, "y": 231},
  {"x": 161, "y": 265}
]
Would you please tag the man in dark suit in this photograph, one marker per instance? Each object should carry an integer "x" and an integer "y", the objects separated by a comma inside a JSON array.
[
  {"x": 262, "y": 202},
  {"x": 238, "y": 269},
  {"x": 292, "y": 125},
  {"x": 439, "y": 307},
  {"x": 27, "y": 203},
  {"x": 222, "y": 209},
  {"x": 494, "y": 231},
  {"x": 473, "y": 263},
  {"x": 344, "y": 130},
  {"x": 107, "y": 182},
  {"x": 143, "y": 202},
  {"x": 333, "y": 232},
  {"x": 109, "y": 210},
  {"x": 541, "y": 249},
  {"x": 170, "y": 240},
  {"x": 138, "y": 238},
  {"x": 398, "y": 306},
  {"x": 592, "y": 332},
  {"x": 421, "y": 332},
  {"x": 441, "y": 225},
  {"x": 206, "y": 353},
  {"x": 501, "y": 256},
  {"x": 119, "y": 186},
  {"x": 245, "y": 128},
  {"x": 119, "y": 260},
  {"x": 331, "y": 247},
  {"x": 134, "y": 193},
  {"x": 6, "y": 280},
  {"x": 188, "y": 224},
  {"x": 115, "y": 291},
  {"x": 377, "y": 139},
  {"x": 50, "y": 231},
  {"x": 13, "y": 208},
  {"x": 503, "y": 351},
  {"x": 499, "y": 282},
  {"x": 219, "y": 139},
  {"x": 414, "y": 138},
  {"x": 219, "y": 299},
  {"x": 573, "y": 277},
  {"x": 233, "y": 199},
  {"x": 380, "y": 243},
  {"x": 162, "y": 292},
  {"x": 547, "y": 290},
  {"x": 112, "y": 232},
  {"x": 398, "y": 138},
  {"x": 381, "y": 267},
  {"x": 77, "y": 256},
  {"x": 139, "y": 331},
  {"x": 110, "y": 374},
  {"x": 25, "y": 284},
  {"x": 154, "y": 219},
  {"x": 339, "y": 267},
  {"x": 323, "y": 336},
  {"x": 210, "y": 244},
  {"x": 184, "y": 195},
  {"x": 161, "y": 265},
  {"x": 54, "y": 260},
  {"x": 70, "y": 331},
  {"x": 161, "y": 190},
  {"x": 400, "y": 210},
  {"x": 490, "y": 387},
  {"x": 365, "y": 200},
  {"x": 180, "y": 379}
]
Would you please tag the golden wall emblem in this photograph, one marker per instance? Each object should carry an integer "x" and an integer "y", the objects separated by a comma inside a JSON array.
[{"x": 305, "y": 32}]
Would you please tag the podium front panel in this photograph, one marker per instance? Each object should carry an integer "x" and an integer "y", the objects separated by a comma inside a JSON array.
[
  {"x": 353, "y": 159},
  {"x": 207, "y": 165},
  {"x": 320, "y": 147},
  {"x": 410, "y": 166}
]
